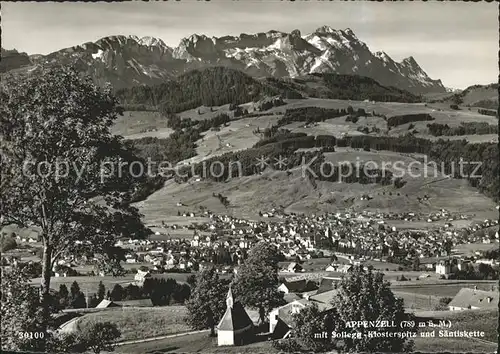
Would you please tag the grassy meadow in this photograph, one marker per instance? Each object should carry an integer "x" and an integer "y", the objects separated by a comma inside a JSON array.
[{"x": 141, "y": 323}]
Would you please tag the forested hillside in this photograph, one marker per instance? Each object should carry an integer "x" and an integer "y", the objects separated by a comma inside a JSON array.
[
  {"x": 359, "y": 88},
  {"x": 279, "y": 142},
  {"x": 483, "y": 96},
  {"x": 217, "y": 86},
  {"x": 209, "y": 87}
]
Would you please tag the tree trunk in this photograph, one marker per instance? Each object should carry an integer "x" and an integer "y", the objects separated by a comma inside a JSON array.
[
  {"x": 212, "y": 331},
  {"x": 262, "y": 316},
  {"x": 45, "y": 287},
  {"x": 46, "y": 273}
]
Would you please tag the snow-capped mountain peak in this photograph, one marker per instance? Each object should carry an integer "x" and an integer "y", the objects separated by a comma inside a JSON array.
[
  {"x": 349, "y": 32},
  {"x": 383, "y": 56},
  {"x": 151, "y": 42},
  {"x": 325, "y": 29},
  {"x": 129, "y": 60},
  {"x": 194, "y": 38},
  {"x": 410, "y": 61}
]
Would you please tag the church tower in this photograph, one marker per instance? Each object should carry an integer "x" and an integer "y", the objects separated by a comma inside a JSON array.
[
  {"x": 229, "y": 299},
  {"x": 235, "y": 327}
]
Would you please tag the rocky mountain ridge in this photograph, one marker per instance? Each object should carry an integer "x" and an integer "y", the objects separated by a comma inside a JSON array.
[{"x": 127, "y": 61}]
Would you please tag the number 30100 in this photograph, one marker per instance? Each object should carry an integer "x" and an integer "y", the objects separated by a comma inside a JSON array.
[{"x": 31, "y": 335}]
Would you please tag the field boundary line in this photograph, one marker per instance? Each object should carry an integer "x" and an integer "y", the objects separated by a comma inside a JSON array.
[{"x": 151, "y": 339}]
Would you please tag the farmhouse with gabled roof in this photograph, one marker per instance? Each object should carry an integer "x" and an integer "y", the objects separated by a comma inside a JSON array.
[{"x": 473, "y": 299}]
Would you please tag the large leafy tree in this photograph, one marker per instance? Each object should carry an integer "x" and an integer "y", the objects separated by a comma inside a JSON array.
[
  {"x": 307, "y": 324},
  {"x": 312, "y": 330},
  {"x": 365, "y": 296},
  {"x": 19, "y": 310},
  {"x": 207, "y": 303},
  {"x": 256, "y": 283},
  {"x": 98, "y": 337},
  {"x": 22, "y": 317},
  {"x": 56, "y": 118}
]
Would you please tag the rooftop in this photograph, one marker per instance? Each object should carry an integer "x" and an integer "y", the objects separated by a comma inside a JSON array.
[
  {"x": 234, "y": 318},
  {"x": 472, "y": 298}
]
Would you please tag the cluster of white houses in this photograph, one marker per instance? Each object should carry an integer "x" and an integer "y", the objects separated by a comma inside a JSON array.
[
  {"x": 301, "y": 237},
  {"x": 450, "y": 266}
]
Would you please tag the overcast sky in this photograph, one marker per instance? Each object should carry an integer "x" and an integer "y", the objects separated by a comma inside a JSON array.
[{"x": 456, "y": 42}]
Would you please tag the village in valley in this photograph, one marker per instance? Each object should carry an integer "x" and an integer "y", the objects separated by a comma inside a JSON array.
[
  {"x": 437, "y": 268},
  {"x": 357, "y": 238}
]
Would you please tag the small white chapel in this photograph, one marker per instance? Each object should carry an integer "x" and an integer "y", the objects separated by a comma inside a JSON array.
[{"x": 235, "y": 327}]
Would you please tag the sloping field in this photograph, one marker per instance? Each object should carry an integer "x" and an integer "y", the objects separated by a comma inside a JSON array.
[
  {"x": 437, "y": 95},
  {"x": 141, "y": 323},
  {"x": 387, "y": 108},
  {"x": 421, "y": 180},
  {"x": 417, "y": 301},
  {"x": 477, "y": 93},
  {"x": 250, "y": 194},
  {"x": 469, "y": 249},
  {"x": 339, "y": 126},
  {"x": 445, "y": 115},
  {"x": 195, "y": 343},
  {"x": 247, "y": 195},
  {"x": 473, "y": 139},
  {"x": 443, "y": 194},
  {"x": 472, "y": 320},
  {"x": 139, "y": 124},
  {"x": 453, "y": 345},
  {"x": 238, "y": 135},
  {"x": 389, "y": 158},
  {"x": 439, "y": 288},
  {"x": 204, "y": 112},
  {"x": 200, "y": 342},
  {"x": 452, "y": 119},
  {"x": 87, "y": 283},
  {"x": 187, "y": 234}
]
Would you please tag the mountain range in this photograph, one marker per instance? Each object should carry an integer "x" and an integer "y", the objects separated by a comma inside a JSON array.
[{"x": 127, "y": 61}]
